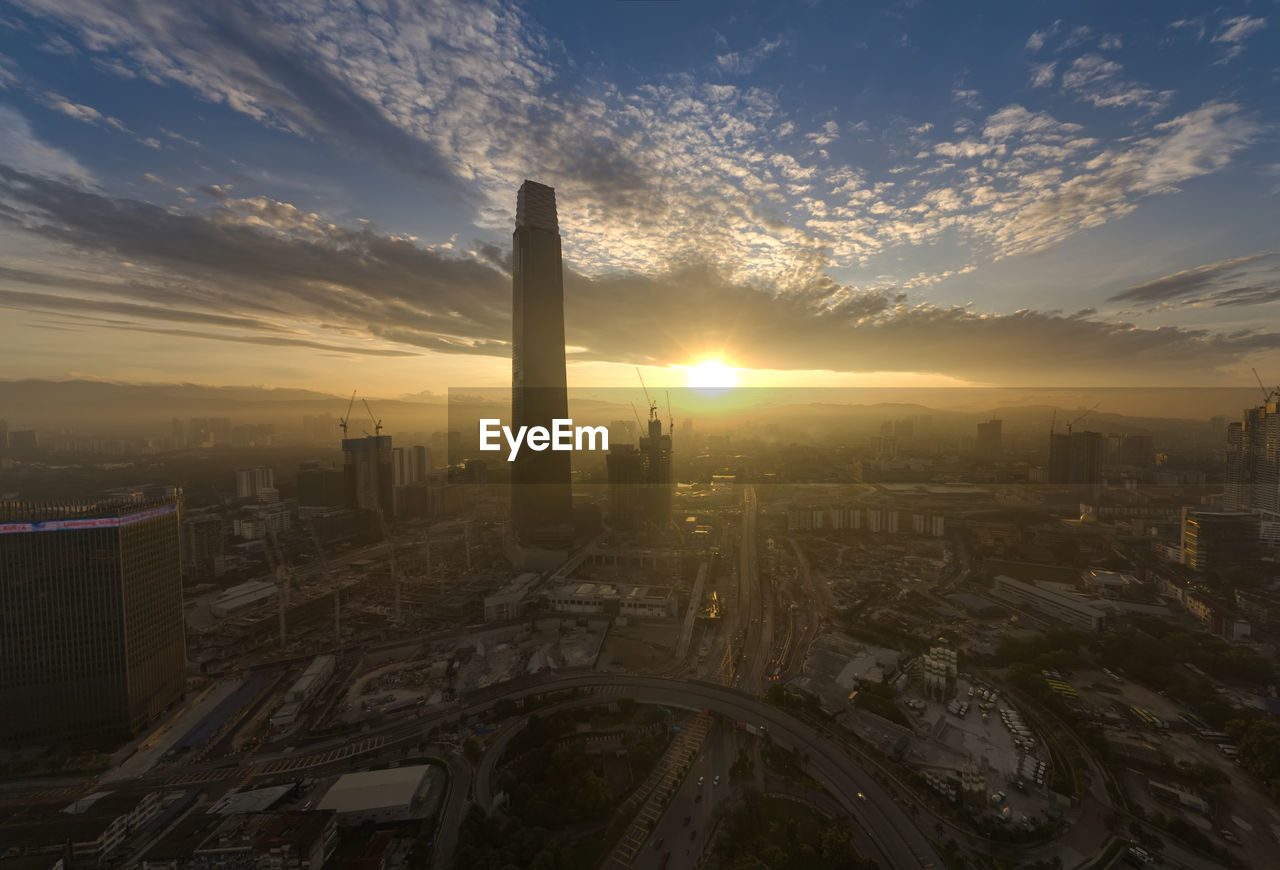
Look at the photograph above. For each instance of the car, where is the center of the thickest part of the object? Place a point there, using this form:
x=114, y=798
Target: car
x=698, y=798
x=861, y=796
x=693, y=835
x=716, y=781
x=657, y=845
x=700, y=781
x=666, y=856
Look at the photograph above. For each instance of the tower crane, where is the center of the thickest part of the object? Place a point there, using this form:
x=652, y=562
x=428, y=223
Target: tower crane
x=324, y=563
x=653, y=406
x=1082, y=416
x=671, y=420
x=377, y=424
x=342, y=421
x=1266, y=394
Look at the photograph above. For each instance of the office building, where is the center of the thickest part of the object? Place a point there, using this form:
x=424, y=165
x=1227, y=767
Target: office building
x=368, y=473
x=1076, y=458
x=91, y=620
x=541, y=493
x=203, y=547
x=990, y=441
x=1212, y=540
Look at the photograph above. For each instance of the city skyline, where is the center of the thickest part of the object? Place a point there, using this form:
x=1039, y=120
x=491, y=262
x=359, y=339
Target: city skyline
x=296, y=200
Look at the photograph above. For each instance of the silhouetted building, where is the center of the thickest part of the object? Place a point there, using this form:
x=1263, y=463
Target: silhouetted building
x=367, y=470
x=1253, y=467
x=655, y=450
x=203, y=547
x=990, y=442
x=91, y=618
x=625, y=467
x=321, y=484
x=1075, y=458
x=541, y=493
x=1212, y=540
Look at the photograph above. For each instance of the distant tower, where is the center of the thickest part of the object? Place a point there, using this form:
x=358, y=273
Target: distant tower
x=541, y=494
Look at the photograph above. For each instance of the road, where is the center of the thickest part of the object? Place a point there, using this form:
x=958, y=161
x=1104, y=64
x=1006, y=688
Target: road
x=886, y=833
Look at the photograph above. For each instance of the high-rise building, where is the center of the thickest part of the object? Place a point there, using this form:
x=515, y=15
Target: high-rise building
x=541, y=493
x=421, y=463
x=203, y=547
x=655, y=451
x=1076, y=458
x=256, y=483
x=1212, y=540
x=404, y=466
x=321, y=484
x=990, y=442
x=625, y=468
x=367, y=471
x=91, y=621
x=1253, y=467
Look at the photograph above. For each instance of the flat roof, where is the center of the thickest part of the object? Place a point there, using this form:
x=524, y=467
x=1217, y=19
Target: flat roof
x=374, y=789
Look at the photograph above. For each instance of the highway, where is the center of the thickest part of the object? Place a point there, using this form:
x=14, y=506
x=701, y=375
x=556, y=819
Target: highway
x=886, y=833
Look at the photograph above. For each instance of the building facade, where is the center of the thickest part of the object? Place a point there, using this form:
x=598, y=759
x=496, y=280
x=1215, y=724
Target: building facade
x=92, y=644
x=541, y=492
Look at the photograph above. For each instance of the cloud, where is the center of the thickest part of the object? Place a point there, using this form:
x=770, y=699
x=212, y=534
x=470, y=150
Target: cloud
x=1042, y=74
x=1247, y=280
x=1234, y=31
x=746, y=61
x=675, y=170
x=1097, y=80
x=258, y=271
x=1198, y=143
x=23, y=151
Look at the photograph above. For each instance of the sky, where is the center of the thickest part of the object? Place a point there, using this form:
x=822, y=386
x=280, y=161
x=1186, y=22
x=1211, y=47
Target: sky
x=321, y=194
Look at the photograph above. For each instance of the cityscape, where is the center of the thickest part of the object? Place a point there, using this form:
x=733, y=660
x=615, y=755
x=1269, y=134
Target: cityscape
x=682, y=516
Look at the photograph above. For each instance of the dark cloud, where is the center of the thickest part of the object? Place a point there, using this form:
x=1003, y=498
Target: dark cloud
x=272, y=273
x=1214, y=277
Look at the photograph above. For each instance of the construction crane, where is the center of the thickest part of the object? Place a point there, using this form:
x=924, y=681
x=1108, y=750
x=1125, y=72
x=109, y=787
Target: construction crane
x=377, y=424
x=671, y=420
x=639, y=425
x=653, y=406
x=1082, y=416
x=342, y=421
x=1266, y=394
x=1052, y=421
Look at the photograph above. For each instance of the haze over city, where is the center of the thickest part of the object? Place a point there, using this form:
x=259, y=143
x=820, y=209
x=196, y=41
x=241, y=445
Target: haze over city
x=892, y=194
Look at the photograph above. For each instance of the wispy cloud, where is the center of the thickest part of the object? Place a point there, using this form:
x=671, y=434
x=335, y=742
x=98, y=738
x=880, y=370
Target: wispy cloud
x=1234, y=31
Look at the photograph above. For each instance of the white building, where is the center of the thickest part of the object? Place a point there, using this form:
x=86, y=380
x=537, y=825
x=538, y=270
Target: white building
x=378, y=796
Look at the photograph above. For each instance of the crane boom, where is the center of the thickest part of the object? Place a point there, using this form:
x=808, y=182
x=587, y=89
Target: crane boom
x=1082, y=416
x=653, y=406
x=342, y=421
x=1266, y=394
x=377, y=424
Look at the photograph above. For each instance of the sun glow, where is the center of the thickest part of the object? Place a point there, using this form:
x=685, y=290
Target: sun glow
x=711, y=375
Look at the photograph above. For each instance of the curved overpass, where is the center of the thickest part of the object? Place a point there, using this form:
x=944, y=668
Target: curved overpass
x=887, y=833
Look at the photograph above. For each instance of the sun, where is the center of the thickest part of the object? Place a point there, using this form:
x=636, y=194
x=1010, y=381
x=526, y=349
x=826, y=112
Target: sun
x=711, y=374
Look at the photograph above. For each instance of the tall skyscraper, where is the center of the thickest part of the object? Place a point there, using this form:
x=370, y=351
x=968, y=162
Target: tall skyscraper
x=625, y=468
x=541, y=494
x=92, y=645
x=1212, y=540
